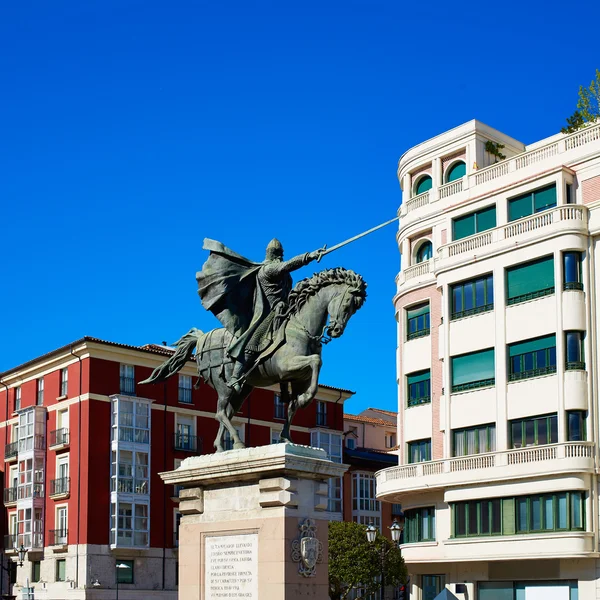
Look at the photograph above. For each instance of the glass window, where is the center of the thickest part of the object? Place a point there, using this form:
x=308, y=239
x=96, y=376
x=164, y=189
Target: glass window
x=185, y=389
x=419, y=451
x=133, y=423
x=456, y=171
x=576, y=426
x=574, y=349
x=127, y=380
x=534, y=431
x=530, y=280
x=280, y=407
x=332, y=444
x=423, y=185
x=472, y=297
x=419, y=388
x=64, y=381
x=473, y=370
x=473, y=223
x=572, y=270
x=124, y=569
x=425, y=252
x=35, y=571
x=419, y=525
x=18, y=398
x=40, y=391
x=363, y=493
x=474, y=440
x=532, y=358
x=321, y=413
x=532, y=202
x=417, y=321
x=61, y=569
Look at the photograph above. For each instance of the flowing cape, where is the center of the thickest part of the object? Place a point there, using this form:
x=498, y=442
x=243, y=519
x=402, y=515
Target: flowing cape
x=229, y=288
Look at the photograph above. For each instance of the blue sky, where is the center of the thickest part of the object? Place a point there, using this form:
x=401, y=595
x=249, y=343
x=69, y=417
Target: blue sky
x=131, y=130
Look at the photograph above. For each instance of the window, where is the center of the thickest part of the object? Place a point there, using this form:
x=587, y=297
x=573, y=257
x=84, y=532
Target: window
x=185, y=438
x=419, y=525
x=473, y=370
x=574, y=348
x=532, y=358
x=129, y=524
x=321, y=413
x=35, y=571
x=534, y=431
x=129, y=473
x=18, y=398
x=61, y=484
x=425, y=252
x=456, y=171
x=40, y=391
x=419, y=451
x=530, y=280
x=569, y=197
x=228, y=440
x=332, y=444
x=131, y=421
x=275, y=436
x=572, y=271
x=562, y=511
x=472, y=297
x=473, y=223
x=185, y=389
x=390, y=439
x=576, y=425
x=124, y=570
x=474, y=440
x=417, y=321
x=419, y=388
x=351, y=437
x=61, y=569
x=363, y=493
x=432, y=586
x=60, y=535
x=127, y=380
x=64, y=381
x=279, y=406
x=532, y=202
x=423, y=185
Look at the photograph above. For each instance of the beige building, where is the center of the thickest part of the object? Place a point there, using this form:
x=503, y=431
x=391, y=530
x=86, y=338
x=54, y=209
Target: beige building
x=496, y=306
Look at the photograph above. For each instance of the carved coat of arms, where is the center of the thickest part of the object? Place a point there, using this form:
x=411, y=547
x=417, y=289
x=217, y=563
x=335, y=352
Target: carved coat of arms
x=307, y=550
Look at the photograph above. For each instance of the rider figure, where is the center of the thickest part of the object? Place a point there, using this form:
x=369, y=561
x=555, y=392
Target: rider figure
x=276, y=282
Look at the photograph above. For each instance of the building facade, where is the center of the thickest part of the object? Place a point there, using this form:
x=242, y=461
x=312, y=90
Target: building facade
x=83, y=445
x=497, y=316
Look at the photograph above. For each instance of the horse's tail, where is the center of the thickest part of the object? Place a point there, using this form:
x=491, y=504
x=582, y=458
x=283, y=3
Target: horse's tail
x=185, y=349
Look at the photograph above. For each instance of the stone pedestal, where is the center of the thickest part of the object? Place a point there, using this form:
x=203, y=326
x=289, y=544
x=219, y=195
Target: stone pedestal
x=254, y=523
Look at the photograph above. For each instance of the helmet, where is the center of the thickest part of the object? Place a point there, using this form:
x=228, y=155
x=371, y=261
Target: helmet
x=274, y=249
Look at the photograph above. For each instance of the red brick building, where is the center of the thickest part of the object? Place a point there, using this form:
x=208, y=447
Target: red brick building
x=83, y=445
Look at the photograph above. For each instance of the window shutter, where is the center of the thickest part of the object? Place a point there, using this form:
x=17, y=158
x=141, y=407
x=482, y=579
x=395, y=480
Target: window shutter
x=508, y=516
x=542, y=343
x=473, y=367
x=531, y=277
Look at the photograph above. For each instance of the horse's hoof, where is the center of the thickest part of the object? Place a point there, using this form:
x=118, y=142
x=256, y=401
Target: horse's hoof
x=239, y=445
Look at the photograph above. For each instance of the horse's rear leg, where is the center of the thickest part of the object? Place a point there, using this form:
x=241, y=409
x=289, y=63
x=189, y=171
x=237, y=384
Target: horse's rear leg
x=229, y=403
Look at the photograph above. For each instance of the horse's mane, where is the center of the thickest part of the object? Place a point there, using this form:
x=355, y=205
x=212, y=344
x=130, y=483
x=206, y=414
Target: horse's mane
x=308, y=287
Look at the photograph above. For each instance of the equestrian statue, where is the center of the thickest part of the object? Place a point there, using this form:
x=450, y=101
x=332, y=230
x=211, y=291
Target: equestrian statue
x=272, y=333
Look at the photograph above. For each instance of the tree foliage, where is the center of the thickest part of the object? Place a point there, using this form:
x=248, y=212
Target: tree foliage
x=355, y=563
x=588, y=106
x=494, y=149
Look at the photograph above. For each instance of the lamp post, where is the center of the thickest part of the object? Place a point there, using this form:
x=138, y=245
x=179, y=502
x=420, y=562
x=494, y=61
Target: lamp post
x=120, y=566
x=396, y=530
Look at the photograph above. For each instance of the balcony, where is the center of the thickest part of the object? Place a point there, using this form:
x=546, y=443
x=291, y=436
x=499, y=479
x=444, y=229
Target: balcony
x=10, y=496
x=187, y=443
x=36, y=442
x=534, y=461
x=30, y=490
x=60, y=488
x=59, y=438
x=11, y=451
x=58, y=537
x=10, y=542
x=31, y=541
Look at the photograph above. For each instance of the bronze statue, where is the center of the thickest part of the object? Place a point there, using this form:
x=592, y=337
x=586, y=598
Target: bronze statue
x=271, y=333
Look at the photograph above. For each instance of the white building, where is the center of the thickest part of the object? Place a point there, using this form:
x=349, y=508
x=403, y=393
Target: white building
x=497, y=305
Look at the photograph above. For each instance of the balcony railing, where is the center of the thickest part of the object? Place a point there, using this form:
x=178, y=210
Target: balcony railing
x=58, y=537
x=11, y=450
x=417, y=270
x=10, y=542
x=60, y=487
x=479, y=462
x=28, y=540
x=59, y=437
x=30, y=490
x=187, y=443
x=10, y=495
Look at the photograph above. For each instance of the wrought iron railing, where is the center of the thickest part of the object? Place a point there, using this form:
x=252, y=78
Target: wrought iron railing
x=11, y=450
x=187, y=443
x=60, y=486
x=58, y=537
x=59, y=437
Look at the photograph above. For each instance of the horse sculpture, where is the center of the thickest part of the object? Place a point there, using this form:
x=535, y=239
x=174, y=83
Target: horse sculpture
x=319, y=308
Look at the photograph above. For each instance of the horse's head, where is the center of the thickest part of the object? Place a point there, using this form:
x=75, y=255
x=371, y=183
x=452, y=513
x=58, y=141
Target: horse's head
x=347, y=297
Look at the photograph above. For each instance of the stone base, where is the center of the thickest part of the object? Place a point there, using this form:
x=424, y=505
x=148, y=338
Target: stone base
x=244, y=514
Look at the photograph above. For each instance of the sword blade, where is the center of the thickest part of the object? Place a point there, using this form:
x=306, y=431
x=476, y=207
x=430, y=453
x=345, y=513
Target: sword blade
x=357, y=237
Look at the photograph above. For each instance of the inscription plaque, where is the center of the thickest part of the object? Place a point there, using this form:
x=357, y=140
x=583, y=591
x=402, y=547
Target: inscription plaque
x=231, y=566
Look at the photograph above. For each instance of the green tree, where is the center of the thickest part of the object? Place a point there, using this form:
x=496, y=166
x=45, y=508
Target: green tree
x=588, y=106
x=355, y=563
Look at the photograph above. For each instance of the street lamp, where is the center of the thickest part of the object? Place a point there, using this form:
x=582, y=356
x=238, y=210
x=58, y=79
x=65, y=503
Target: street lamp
x=22, y=552
x=120, y=566
x=396, y=530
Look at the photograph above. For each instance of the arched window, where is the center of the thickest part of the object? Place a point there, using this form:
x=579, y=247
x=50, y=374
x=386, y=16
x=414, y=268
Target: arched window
x=456, y=171
x=423, y=185
x=425, y=252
